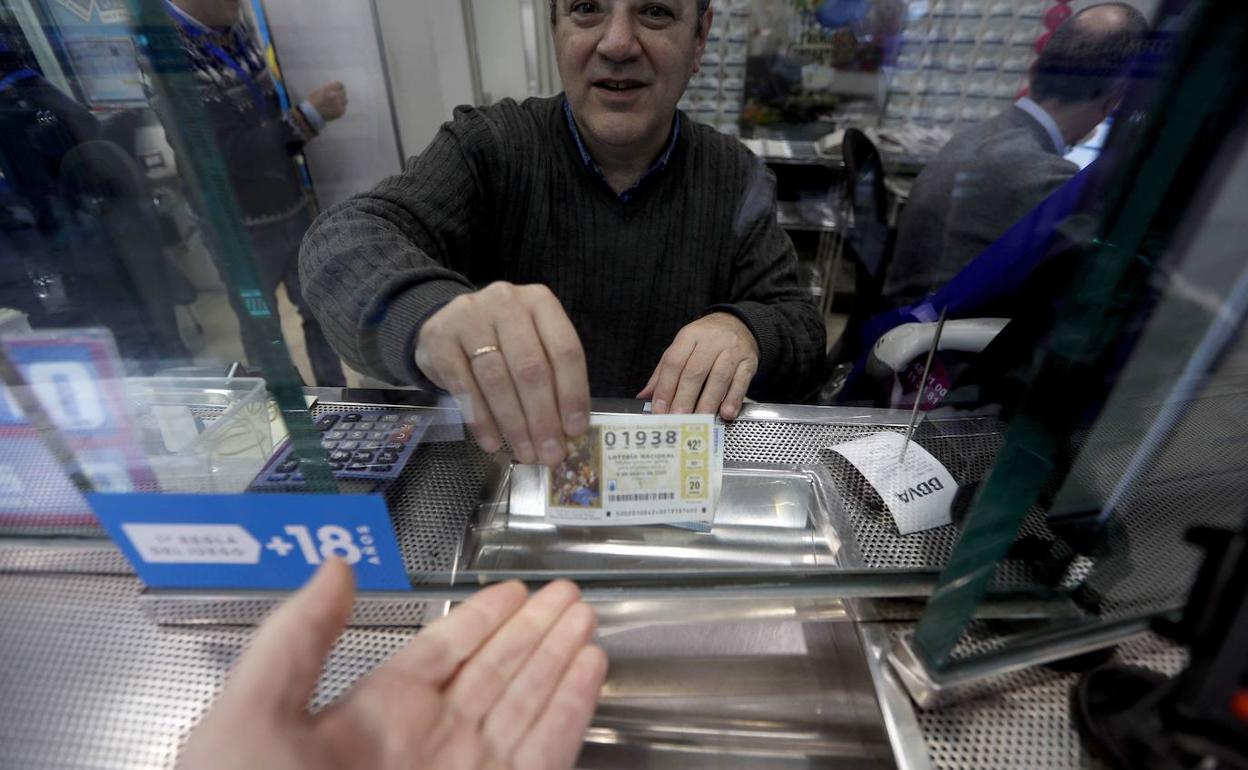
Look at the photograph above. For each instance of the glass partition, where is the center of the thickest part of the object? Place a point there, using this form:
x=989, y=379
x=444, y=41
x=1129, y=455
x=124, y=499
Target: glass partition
x=150, y=235
x=1123, y=441
x=160, y=336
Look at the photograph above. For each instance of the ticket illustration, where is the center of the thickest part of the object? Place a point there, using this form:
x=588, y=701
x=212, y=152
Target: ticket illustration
x=639, y=469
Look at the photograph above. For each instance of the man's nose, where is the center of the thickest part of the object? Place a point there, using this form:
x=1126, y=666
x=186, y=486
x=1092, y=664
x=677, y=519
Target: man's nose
x=619, y=39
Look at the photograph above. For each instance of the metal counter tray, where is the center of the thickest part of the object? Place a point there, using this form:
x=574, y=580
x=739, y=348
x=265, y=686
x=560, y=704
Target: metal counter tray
x=768, y=517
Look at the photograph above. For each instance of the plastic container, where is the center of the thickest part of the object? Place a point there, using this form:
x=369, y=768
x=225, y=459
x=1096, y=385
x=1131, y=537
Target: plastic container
x=202, y=434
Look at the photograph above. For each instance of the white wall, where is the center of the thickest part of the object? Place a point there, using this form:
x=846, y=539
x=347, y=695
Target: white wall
x=318, y=41
x=425, y=54
x=426, y=50
x=500, y=46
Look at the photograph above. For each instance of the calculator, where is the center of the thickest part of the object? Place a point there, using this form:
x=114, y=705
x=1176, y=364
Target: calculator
x=363, y=445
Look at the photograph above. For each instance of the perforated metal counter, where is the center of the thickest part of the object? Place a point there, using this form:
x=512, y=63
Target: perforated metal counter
x=91, y=679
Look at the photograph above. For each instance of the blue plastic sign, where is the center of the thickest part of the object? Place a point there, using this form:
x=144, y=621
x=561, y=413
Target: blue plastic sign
x=252, y=540
x=76, y=376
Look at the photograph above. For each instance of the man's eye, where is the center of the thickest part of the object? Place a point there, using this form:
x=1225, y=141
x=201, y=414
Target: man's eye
x=583, y=9
x=656, y=12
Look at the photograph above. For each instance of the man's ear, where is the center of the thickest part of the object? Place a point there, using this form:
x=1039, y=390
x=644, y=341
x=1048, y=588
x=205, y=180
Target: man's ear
x=704, y=29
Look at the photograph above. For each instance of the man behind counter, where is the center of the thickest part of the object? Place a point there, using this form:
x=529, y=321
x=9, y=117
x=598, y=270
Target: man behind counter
x=618, y=244
x=991, y=175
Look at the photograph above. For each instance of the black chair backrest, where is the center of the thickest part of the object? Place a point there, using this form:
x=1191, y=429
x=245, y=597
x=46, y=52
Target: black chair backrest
x=864, y=176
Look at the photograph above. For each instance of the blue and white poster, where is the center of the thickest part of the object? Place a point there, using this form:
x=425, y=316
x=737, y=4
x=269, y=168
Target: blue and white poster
x=258, y=541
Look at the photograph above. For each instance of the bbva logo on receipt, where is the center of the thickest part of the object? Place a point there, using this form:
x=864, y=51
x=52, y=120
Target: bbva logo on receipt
x=922, y=489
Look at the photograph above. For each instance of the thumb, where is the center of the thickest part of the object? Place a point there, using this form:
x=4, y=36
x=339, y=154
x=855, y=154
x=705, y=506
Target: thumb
x=280, y=668
x=648, y=391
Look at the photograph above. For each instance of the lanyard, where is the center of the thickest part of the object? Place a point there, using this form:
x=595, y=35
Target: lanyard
x=223, y=56
x=17, y=76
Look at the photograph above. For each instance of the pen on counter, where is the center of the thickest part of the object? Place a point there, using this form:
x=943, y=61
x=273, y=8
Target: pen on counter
x=918, y=396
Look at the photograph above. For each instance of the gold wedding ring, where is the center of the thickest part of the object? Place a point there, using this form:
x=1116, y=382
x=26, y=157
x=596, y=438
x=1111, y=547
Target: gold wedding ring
x=483, y=350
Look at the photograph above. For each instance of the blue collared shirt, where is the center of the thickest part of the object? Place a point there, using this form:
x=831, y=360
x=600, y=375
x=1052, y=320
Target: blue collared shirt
x=660, y=163
x=1044, y=119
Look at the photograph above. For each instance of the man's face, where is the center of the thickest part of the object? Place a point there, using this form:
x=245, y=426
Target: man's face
x=625, y=63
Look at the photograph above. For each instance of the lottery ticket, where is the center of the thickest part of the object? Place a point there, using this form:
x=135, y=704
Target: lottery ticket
x=639, y=469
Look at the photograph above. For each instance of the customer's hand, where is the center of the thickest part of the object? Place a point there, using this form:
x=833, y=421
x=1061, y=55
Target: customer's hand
x=707, y=369
x=514, y=361
x=500, y=682
x=330, y=100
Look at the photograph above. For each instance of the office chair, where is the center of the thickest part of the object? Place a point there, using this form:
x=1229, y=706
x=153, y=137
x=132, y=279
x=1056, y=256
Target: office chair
x=978, y=301
x=866, y=239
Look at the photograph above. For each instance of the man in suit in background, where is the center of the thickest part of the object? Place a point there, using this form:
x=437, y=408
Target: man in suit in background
x=989, y=176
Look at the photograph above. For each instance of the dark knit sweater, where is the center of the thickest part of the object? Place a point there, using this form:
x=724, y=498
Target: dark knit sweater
x=258, y=140
x=502, y=194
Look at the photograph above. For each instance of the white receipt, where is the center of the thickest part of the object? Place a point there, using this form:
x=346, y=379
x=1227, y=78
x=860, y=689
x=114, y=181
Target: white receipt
x=917, y=489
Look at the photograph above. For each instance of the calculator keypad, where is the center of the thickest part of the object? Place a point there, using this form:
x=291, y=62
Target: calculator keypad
x=371, y=446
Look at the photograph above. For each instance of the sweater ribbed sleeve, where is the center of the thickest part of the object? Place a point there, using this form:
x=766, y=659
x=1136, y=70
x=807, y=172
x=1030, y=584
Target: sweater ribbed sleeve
x=769, y=298
x=375, y=265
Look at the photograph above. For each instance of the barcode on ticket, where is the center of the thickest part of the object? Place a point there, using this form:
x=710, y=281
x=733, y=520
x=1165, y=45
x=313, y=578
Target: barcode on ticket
x=634, y=497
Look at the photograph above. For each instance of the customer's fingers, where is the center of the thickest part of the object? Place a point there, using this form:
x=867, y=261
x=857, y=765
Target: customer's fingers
x=535, y=385
x=693, y=378
x=462, y=749
x=281, y=666
x=526, y=696
x=670, y=367
x=717, y=384
x=741, y=380
x=436, y=653
x=567, y=357
x=554, y=741
x=485, y=676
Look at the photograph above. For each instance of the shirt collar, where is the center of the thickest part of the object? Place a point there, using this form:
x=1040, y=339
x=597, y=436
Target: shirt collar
x=1046, y=120
x=659, y=164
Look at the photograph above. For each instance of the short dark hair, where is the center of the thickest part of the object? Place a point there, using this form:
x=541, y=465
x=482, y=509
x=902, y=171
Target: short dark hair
x=702, y=6
x=1080, y=64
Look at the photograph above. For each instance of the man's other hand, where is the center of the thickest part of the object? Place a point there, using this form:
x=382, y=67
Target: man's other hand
x=707, y=369
x=503, y=681
x=512, y=358
x=330, y=100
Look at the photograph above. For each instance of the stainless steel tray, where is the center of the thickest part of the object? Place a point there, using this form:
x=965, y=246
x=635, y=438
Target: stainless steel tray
x=769, y=516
